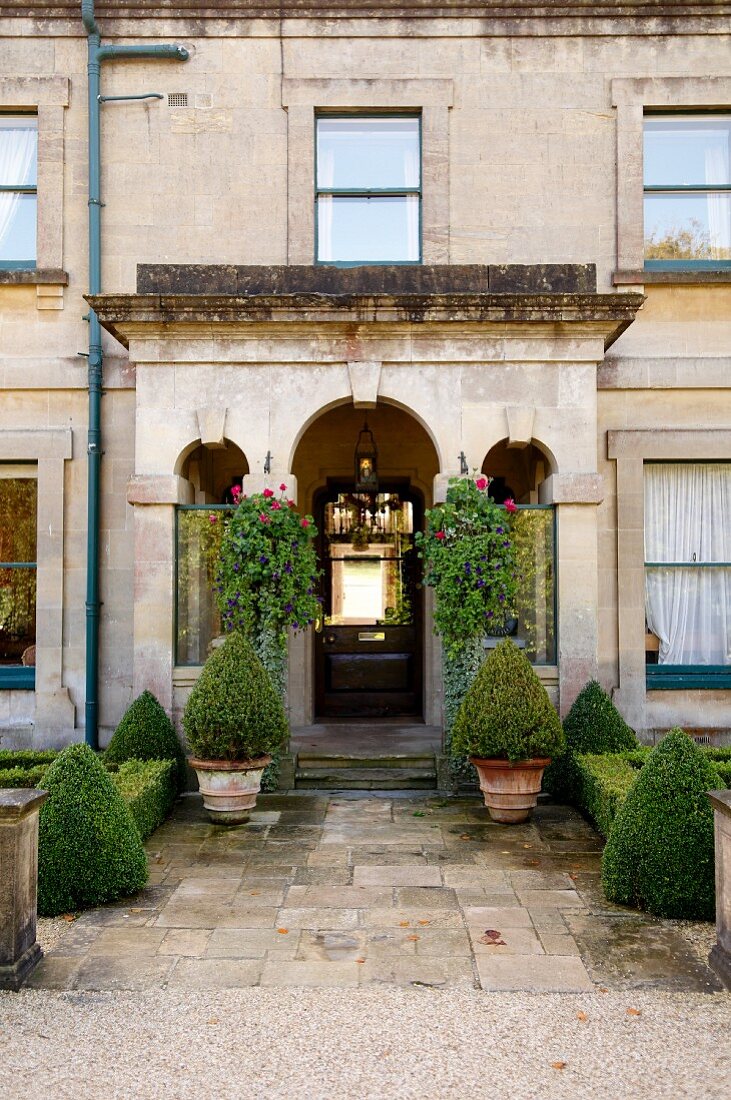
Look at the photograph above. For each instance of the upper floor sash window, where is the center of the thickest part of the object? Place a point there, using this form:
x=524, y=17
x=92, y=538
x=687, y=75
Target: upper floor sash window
x=18, y=190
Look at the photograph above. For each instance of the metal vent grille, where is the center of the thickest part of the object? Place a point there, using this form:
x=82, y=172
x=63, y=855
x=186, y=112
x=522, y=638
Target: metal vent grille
x=177, y=99
x=702, y=738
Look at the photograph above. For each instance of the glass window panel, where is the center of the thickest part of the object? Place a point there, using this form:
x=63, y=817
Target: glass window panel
x=686, y=151
x=17, y=614
x=368, y=153
x=688, y=226
x=361, y=229
x=688, y=611
x=198, y=620
x=18, y=512
x=17, y=226
x=532, y=531
x=18, y=150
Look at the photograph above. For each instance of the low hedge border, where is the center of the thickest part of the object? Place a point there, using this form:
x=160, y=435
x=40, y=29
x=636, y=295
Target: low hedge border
x=601, y=786
x=601, y=783
x=149, y=787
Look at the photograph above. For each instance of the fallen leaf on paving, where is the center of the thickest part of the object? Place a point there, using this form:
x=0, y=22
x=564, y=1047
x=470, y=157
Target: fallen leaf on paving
x=527, y=845
x=213, y=1020
x=412, y=937
x=255, y=893
x=603, y=989
x=573, y=877
x=135, y=910
x=465, y=836
x=634, y=1012
x=493, y=938
x=360, y=960
x=404, y=923
x=532, y=862
x=283, y=931
x=558, y=1065
x=69, y=917
x=423, y=922
x=581, y=1016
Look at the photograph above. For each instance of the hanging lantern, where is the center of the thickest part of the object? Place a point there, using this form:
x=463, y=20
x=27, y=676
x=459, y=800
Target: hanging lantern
x=366, y=462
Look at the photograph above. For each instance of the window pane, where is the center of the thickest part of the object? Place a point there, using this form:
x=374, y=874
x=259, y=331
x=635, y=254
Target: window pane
x=533, y=546
x=686, y=151
x=17, y=226
x=688, y=608
x=18, y=509
x=17, y=615
x=380, y=229
x=688, y=226
x=18, y=505
x=18, y=150
x=368, y=153
x=198, y=619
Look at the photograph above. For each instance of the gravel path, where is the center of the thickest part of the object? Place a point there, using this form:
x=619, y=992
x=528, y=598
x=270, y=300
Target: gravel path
x=399, y=1044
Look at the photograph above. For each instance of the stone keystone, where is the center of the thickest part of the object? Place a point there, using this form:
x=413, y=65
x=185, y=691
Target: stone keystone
x=365, y=379
x=212, y=426
x=520, y=424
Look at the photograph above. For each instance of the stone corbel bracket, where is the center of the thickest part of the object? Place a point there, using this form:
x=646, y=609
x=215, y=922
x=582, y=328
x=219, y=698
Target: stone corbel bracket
x=212, y=426
x=365, y=381
x=159, y=489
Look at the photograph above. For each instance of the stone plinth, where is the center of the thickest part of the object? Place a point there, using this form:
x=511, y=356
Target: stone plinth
x=19, y=951
x=720, y=956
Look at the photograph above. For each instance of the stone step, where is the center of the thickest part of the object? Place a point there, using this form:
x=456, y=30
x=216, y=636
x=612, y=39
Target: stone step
x=410, y=760
x=367, y=779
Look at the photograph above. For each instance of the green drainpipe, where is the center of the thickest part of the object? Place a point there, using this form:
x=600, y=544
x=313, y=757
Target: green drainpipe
x=96, y=54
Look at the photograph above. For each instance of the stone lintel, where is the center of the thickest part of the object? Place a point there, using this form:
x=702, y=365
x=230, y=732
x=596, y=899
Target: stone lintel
x=159, y=489
x=572, y=489
x=18, y=803
x=690, y=445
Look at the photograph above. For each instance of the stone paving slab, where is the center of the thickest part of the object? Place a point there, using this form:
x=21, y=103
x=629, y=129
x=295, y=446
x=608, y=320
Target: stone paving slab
x=357, y=891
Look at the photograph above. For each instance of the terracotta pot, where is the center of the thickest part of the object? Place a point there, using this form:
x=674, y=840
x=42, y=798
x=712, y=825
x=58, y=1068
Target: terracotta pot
x=229, y=787
x=510, y=790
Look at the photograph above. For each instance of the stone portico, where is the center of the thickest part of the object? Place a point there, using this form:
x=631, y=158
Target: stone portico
x=465, y=358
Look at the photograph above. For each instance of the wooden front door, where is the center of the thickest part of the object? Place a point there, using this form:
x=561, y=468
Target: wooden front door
x=368, y=652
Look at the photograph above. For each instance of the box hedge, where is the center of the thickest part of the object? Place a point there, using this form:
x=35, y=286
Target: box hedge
x=89, y=849
x=593, y=726
x=146, y=733
x=601, y=785
x=659, y=855
x=148, y=788
x=506, y=712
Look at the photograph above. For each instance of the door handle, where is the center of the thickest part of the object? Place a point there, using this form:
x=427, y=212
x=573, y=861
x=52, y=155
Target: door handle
x=330, y=638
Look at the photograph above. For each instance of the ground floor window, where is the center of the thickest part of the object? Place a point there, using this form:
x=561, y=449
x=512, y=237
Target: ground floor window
x=688, y=574
x=367, y=558
x=18, y=512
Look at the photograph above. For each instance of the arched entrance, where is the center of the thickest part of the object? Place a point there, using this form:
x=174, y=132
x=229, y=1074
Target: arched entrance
x=369, y=647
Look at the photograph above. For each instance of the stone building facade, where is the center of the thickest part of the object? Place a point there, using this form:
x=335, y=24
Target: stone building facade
x=534, y=334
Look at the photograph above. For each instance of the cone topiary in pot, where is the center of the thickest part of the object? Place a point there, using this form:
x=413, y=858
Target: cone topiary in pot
x=509, y=728
x=233, y=721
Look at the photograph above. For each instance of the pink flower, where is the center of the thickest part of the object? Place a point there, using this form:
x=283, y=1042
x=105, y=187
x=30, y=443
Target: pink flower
x=264, y=519
x=213, y=519
x=276, y=505
x=440, y=535
x=268, y=493
x=304, y=522
x=510, y=505
x=291, y=504
x=282, y=488
x=482, y=483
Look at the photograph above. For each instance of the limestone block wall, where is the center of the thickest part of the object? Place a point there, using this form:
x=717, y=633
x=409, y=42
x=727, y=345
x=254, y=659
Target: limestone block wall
x=521, y=147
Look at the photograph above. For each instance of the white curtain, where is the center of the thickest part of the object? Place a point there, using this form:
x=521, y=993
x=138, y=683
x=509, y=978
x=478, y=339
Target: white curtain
x=17, y=152
x=719, y=205
x=688, y=519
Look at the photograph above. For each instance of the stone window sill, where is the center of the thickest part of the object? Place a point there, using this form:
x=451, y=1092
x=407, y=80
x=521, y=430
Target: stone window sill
x=33, y=276
x=671, y=278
